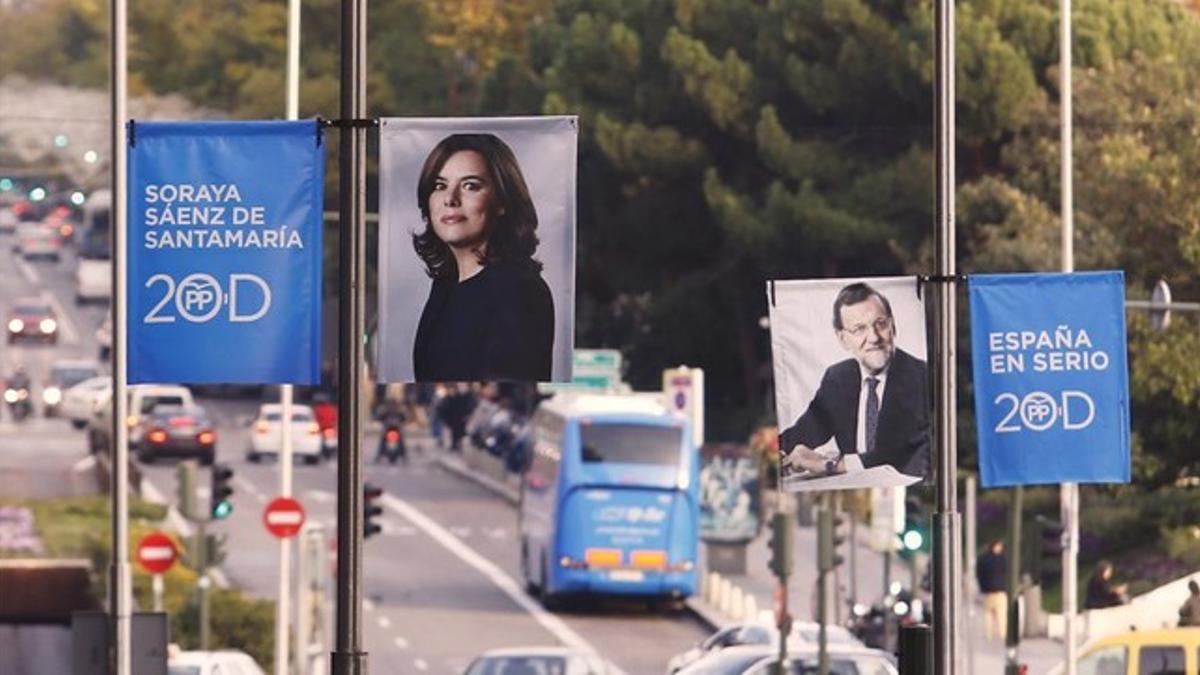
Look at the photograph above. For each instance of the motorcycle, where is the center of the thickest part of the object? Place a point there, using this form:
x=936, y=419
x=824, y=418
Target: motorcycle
x=878, y=625
x=18, y=402
x=391, y=445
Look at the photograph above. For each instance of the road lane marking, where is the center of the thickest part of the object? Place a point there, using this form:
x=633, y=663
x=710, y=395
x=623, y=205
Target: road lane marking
x=421, y=664
x=384, y=622
x=320, y=496
x=66, y=327
x=27, y=271
x=459, y=531
x=487, y=568
x=368, y=605
x=400, y=643
x=246, y=485
x=84, y=464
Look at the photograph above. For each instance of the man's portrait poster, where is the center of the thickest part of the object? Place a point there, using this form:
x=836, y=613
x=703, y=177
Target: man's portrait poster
x=477, y=249
x=852, y=387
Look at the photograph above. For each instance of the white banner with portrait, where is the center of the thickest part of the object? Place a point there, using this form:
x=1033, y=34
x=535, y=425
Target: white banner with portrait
x=477, y=249
x=852, y=387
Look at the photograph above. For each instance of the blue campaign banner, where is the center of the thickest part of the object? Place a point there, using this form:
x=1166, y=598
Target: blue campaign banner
x=1051, y=378
x=225, y=252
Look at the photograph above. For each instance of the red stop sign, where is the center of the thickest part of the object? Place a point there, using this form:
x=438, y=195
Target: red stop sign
x=283, y=517
x=156, y=553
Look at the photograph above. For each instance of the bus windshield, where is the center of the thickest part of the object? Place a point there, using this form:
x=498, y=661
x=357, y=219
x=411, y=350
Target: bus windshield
x=627, y=444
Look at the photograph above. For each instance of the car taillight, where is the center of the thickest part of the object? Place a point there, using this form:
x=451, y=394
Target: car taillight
x=330, y=433
x=157, y=436
x=207, y=437
x=392, y=436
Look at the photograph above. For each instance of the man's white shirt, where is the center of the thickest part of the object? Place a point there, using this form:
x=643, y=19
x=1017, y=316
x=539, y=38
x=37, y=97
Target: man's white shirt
x=853, y=462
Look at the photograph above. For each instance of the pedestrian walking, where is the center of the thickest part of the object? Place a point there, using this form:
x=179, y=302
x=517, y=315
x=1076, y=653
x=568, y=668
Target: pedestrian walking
x=990, y=571
x=1189, y=613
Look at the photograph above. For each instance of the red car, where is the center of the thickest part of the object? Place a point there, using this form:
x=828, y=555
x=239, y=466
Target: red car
x=32, y=319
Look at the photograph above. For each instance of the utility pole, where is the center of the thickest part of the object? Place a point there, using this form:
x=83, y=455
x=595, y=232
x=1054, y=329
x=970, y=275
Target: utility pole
x=781, y=548
x=120, y=581
x=1012, y=632
x=947, y=522
x=348, y=656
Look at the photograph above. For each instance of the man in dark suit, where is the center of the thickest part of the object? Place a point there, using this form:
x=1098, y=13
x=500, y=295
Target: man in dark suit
x=875, y=405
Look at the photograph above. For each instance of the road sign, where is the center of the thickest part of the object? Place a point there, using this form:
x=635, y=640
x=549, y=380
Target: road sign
x=225, y=249
x=592, y=370
x=1051, y=378
x=284, y=517
x=156, y=553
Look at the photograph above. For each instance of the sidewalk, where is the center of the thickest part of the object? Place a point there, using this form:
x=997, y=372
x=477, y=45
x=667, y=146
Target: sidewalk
x=984, y=658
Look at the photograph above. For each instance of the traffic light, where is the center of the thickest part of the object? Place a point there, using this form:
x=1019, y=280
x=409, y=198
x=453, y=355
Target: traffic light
x=185, y=488
x=781, y=545
x=1044, y=548
x=214, y=549
x=222, y=506
x=371, y=510
x=829, y=539
x=916, y=533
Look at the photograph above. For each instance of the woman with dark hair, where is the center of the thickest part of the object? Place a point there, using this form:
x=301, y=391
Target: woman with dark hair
x=489, y=315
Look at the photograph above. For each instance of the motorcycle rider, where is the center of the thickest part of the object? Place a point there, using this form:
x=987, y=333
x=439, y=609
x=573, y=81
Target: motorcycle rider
x=392, y=418
x=18, y=381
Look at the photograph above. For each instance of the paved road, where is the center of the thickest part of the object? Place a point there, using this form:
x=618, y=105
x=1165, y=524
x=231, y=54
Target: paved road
x=441, y=582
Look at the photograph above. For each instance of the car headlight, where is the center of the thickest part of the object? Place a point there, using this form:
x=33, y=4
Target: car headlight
x=52, y=395
x=16, y=326
x=48, y=326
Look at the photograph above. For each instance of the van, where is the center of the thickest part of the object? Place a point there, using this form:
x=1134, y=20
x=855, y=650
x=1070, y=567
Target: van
x=142, y=399
x=1172, y=651
x=93, y=281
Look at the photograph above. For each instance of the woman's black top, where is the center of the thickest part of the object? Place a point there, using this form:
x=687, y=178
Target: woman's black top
x=497, y=325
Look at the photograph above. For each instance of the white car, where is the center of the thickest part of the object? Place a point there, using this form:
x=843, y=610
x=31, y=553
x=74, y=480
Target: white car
x=80, y=403
x=754, y=633
x=266, y=433
x=38, y=241
x=224, y=662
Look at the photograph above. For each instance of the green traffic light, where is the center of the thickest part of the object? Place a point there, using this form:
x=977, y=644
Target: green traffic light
x=6, y=184
x=221, y=510
x=913, y=540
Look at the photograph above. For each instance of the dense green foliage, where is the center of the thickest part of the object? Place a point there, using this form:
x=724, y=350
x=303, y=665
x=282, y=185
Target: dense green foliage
x=723, y=144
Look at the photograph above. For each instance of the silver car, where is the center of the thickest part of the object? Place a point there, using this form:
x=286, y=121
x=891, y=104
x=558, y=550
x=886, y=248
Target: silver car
x=538, y=661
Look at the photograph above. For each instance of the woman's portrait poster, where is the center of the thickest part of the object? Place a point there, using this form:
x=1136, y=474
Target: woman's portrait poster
x=852, y=390
x=477, y=249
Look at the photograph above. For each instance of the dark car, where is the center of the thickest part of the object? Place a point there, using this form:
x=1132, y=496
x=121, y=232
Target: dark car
x=32, y=319
x=64, y=374
x=177, y=431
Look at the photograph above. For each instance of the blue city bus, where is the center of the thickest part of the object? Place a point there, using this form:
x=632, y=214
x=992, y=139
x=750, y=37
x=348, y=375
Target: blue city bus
x=610, y=500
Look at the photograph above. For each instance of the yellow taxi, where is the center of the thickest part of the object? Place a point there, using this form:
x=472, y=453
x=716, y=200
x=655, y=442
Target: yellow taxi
x=1172, y=651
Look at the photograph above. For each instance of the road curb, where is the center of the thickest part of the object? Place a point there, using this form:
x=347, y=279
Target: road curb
x=458, y=467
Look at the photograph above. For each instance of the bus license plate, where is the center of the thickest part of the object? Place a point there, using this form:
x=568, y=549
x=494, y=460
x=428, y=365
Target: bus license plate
x=627, y=575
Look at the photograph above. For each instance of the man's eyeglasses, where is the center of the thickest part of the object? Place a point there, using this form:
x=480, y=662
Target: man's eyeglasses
x=880, y=325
